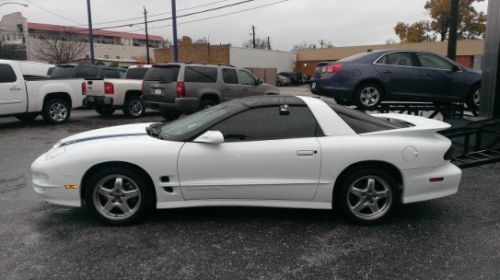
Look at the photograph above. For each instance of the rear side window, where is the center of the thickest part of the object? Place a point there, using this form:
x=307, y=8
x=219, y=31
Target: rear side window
x=7, y=74
x=268, y=123
x=200, y=74
x=401, y=59
x=87, y=72
x=166, y=74
x=62, y=72
x=136, y=73
x=230, y=76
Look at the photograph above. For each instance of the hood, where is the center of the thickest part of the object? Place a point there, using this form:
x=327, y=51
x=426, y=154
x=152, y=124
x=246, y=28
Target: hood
x=128, y=130
x=417, y=126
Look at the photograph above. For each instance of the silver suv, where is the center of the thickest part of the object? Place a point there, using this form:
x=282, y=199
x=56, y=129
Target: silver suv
x=176, y=88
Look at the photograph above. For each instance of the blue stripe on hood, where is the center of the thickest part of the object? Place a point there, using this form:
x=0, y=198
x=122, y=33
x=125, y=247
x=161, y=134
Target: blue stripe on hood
x=99, y=137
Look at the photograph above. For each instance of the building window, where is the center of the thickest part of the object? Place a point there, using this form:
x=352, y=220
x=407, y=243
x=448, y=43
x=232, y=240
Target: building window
x=117, y=57
x=106, y=56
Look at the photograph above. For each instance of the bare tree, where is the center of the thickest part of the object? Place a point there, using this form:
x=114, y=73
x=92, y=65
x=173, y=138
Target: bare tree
x=260, y=43
x=304, y=45
x=59, y=48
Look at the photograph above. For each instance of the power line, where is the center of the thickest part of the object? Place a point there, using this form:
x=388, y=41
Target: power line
x=218, y=16
x=51, y=12
x=184, y=15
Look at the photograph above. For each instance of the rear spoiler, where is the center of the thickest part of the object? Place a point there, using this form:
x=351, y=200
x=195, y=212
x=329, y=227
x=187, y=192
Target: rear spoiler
x=417, y=125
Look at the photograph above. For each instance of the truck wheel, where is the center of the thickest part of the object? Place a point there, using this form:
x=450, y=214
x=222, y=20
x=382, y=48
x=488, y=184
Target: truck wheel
x=170, y=116
x=56, y=111
x=133, y=107
x=28, y=117
x=105, y=110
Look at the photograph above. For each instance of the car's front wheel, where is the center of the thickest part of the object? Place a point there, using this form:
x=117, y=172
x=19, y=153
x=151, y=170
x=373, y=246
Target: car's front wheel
x=118, y=196
x=474, y=98
x=368, y=96
x=366, y=196
x=56, y=111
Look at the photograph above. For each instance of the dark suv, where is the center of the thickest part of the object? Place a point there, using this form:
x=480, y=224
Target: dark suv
x=176, y=88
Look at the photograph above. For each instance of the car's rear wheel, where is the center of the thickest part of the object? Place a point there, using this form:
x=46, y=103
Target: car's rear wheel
x=118, y=196
x=207, y=103
x=105, y=110
x=474, y=98
x=368, y=96
x=133, y=107
x=366, y=196
x=56, y=111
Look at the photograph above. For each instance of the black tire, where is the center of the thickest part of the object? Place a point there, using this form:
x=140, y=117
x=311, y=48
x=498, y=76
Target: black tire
x=105, y=110
x=341, y=101
x=368, y=96
x=473, y=101
x=56, y=111
x=346, y=201
x=133, y=107
x=169, y=115
x=28, y=117
x=207, y=103
x=134, y=195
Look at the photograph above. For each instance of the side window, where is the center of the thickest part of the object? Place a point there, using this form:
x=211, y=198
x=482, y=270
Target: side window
x=229, y=76
x=433, y=61
x=400, y=58
x=268, y=123
x=200, y=74
x=246, y=78
x=7, y=74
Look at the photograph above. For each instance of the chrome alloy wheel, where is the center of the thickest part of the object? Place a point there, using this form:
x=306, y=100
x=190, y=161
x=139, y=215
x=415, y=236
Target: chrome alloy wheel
x=135, y=107
x=58, y=111
x=116, y=197
x=369, y=198
x=476, y=97
x=369, y=96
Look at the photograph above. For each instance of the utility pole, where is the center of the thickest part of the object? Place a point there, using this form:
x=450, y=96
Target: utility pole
x=91, y=34
x=452, y=39
x=253, y=35
x=147, y=35
x=322, y=43
x=268, y=43
x=174, y=31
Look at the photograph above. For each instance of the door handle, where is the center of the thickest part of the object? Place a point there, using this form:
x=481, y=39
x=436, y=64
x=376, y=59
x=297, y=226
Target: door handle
x=305, y=152
x=15, y=88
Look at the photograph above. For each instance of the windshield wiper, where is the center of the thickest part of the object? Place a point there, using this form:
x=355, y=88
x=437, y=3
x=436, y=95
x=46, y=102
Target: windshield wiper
x=154, y=130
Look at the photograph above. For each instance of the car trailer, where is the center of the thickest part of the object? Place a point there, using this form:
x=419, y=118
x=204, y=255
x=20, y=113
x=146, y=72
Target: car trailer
x=452, y=110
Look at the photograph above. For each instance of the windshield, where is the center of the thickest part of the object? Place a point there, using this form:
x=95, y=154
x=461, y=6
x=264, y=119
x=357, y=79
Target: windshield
x=165, y=74
x=191, y=125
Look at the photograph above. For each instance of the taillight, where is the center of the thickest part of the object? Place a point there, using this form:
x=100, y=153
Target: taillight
x=331, y=68
x=84, y=88
x=109, y=88
x=181, y=90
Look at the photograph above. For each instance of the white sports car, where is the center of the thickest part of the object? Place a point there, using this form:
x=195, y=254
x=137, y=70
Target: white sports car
x=270, y=151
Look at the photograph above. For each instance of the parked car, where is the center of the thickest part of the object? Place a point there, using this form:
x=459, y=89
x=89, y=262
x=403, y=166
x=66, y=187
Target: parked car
x=25, y=97
x=282, y=81
x=122, y=94
x=367, y=79
x=296, y=78
x=270, y=151
x=176, y=88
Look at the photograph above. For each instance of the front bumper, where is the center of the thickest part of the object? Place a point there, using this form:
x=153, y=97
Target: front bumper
x=418, y=187
x=50, y=184
x=93, y=101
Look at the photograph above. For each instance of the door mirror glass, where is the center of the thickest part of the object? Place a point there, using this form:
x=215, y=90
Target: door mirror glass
x=258, y=82
x=210, y=137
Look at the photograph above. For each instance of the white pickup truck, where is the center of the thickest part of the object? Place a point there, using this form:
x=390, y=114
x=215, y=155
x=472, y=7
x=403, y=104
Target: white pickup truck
x=122, y=94
x=27, y=96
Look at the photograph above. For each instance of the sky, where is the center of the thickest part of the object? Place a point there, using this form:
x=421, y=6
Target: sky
x=286, y=22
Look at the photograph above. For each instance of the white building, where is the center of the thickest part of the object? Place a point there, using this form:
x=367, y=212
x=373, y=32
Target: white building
x=109, y=46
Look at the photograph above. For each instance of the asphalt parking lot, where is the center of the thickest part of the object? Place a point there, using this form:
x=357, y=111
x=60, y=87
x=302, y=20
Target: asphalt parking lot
x=456, y=237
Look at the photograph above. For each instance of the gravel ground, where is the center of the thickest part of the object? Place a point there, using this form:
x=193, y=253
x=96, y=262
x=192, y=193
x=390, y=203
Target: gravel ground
x=456, y=237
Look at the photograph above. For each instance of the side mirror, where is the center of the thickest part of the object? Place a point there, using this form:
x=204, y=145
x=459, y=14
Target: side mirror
x=455, y=68
x=258, y=82
x=210, y=137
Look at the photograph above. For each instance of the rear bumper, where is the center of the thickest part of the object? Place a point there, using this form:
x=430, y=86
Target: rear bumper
x=325, y=87
x=183, y=105
x=417, y=185
x=92, y=101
